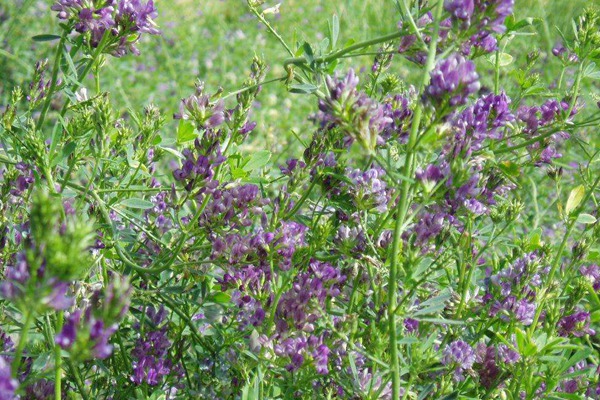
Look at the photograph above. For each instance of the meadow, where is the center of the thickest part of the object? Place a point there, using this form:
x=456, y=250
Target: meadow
x=250, y=199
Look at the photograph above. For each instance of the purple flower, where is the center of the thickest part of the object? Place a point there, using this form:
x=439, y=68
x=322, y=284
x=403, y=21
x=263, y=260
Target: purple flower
x=576, y=324
x=42, y=389
x=320, y=356
x=368, y=189
x=199, y=108
x=592, y=274
x=487, y=369
x=291, y=165
x=411, y=325
x=372, y=384
x=301, y=306
x=459, y=355
x=460, y=9
x=151, y=354
x=8, y=385
x=93, y=327
x=452, y=81
x=68, y=334
x=507, y=355
x=359, y=116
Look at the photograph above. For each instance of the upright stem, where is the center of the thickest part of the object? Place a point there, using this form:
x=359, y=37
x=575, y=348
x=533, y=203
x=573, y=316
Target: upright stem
x=402, y=208
x=58, y=359
x=22, y=341
x=53, y=81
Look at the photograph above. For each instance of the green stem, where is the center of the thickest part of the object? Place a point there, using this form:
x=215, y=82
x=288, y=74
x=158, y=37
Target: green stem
x=301, y=201
x=53, y=81
x=559, y=253
x=357, y=46
x=22, y=341
x=497, y=73
x=411, y=22
x=575, y=89
x=270, y=28
x=402, y=209
x=78, y=380
x=58, y=360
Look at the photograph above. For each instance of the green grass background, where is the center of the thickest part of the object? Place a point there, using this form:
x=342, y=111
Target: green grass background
x=216, y=40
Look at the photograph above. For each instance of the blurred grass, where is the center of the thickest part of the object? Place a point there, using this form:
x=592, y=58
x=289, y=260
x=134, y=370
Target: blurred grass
x=216, y=41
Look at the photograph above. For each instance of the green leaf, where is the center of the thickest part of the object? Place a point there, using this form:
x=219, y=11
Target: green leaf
x=258, y=160
x=137, y=203
x=324, y=45
x=186, y=131
x=504, y=59
x=309, y=54
x=441, y=321
x=335, y=31
x=535, y=239
x=586, y=219
x=575, y=358
x=172, y=151
x=45, y=38
x=237, y=173
x=221, y=298
x=591, y=71
x=574, y=199
x=303, y=88
x=510, y=168
x=512, y=25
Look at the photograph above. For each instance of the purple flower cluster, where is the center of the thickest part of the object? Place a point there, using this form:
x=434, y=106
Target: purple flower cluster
x=350, y=239
x=91, y=329
x=20, y=183
x=577, y=382
x=151, y=358
x=484, y=16
x=592, y=274
x=536, y=118
x=39, y=86
x=199, y=109
x=452, y=81
x=299, y=308
x=565, y=55
x=489, y=361
x=233, y=207
x=485, y=119
x=460, y=356
x=398, y=110
x=301, y=346
x=99, y=334
x=360, y=117
x=197, y=171
x=576, y=324
x=123, y=20
x=368, y=189
x=516, y=286
x=468, y=186
x=18, y=281
x=8, y=385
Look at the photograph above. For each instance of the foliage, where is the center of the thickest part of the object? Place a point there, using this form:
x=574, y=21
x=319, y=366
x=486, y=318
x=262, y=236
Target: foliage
x=437, y=237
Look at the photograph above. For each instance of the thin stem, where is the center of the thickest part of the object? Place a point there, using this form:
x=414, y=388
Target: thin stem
x=575, y=89
x=338, y=54
x=559, y=253
x=22, y=341
x=78, y=380
x=411, y=22
x=58, y=360
x=402, y=209
x=271, y=29
x=497, y=73
x=53, y=81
